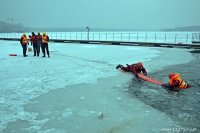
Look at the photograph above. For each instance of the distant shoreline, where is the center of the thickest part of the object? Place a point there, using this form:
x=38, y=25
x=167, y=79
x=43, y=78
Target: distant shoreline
x=6, y=27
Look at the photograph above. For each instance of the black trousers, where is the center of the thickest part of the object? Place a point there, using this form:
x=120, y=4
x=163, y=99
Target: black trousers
x=45, y=48
x=39, y=45
x=36, y=49
x=24, y=46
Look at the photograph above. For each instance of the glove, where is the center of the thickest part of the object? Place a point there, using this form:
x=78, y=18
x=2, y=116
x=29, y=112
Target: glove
x=165, y=85
x=145, y=74
x=188, y=86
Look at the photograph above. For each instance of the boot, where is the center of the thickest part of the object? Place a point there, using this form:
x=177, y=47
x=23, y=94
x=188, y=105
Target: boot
x=119, y=66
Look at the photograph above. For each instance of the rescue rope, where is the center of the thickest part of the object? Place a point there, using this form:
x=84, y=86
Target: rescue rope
x=83, y=59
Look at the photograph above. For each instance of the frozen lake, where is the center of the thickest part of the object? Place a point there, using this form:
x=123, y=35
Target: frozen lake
x=79, y=90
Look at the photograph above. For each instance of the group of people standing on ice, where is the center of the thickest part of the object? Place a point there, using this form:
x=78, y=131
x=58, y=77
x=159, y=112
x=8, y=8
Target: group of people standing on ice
x=37, y=41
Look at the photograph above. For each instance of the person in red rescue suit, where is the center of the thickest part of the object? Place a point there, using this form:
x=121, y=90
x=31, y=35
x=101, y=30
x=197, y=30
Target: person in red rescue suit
x=134, y=68
x=24, y=43
x=45, y=40
x=176, y=83
x=34, y=41
x=39, y=43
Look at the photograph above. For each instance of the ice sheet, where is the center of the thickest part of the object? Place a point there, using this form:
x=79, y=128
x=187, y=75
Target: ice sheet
x=23, y=79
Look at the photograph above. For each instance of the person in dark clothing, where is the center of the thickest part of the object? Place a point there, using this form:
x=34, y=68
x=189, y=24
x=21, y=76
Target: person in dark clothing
x=45, y=40
x=134, y=68
x=39, y=41
x=24, y=43
x=35, y=44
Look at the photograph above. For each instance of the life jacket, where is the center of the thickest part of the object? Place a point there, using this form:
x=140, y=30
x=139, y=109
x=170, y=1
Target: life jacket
x=24, y=40
x=44, y=39
x=182, y=83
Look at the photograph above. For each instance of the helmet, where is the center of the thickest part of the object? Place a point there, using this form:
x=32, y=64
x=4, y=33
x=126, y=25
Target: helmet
x=139, y=64
x=24, y=34
x=171, y=75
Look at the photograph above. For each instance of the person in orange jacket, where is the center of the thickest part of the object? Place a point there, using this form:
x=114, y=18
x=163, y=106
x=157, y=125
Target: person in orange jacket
x=24, y=43
x=176, y=83
x=45, y=40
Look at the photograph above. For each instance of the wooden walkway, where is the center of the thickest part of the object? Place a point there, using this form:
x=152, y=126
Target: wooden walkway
x=120, y=43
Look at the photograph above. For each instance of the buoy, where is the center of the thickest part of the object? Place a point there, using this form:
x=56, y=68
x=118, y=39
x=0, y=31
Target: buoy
x=12, y=54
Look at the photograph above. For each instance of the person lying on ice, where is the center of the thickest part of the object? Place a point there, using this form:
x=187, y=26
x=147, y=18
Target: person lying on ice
x=134, y=68
x=176, y=83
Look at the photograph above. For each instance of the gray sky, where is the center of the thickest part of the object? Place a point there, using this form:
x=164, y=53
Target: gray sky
x=145, y=14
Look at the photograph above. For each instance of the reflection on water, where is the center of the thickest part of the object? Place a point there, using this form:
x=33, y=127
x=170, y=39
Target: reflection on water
x=183, y=107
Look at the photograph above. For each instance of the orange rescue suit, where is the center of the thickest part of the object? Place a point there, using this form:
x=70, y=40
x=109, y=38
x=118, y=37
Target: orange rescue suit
x=44, y=39
x=182, y=84
x=24, y=40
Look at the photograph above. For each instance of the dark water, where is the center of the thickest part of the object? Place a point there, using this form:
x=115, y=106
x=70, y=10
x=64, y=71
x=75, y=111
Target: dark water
x=182, y=107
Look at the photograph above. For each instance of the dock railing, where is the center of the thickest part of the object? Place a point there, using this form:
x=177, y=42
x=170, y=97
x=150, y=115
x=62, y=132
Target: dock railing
x=144, y=37
x=196, y=38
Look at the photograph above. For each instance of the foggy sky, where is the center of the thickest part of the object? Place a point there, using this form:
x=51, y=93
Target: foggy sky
x=129, y=14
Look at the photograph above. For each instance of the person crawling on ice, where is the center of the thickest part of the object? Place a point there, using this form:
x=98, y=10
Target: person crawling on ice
x=176, y=83
x=134, y=68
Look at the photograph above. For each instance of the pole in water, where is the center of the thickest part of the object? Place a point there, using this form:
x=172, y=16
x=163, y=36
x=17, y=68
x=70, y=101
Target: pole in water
x=88, y=34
